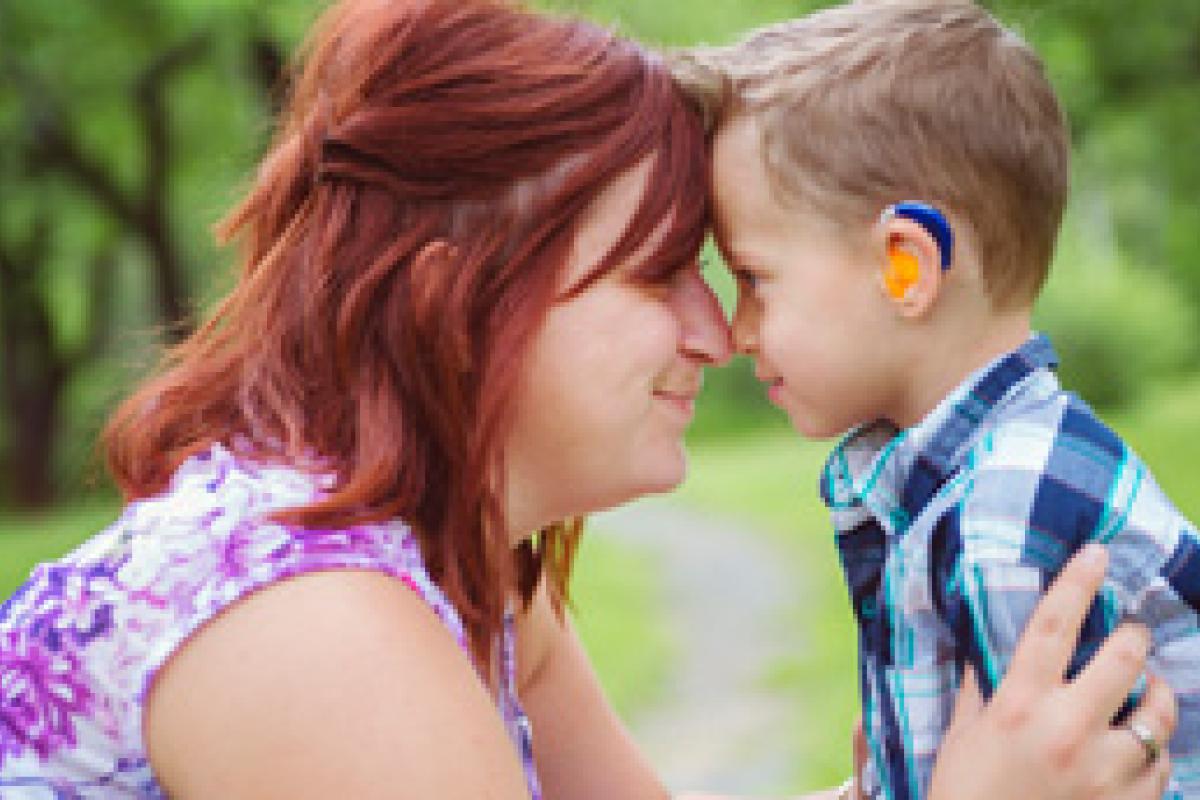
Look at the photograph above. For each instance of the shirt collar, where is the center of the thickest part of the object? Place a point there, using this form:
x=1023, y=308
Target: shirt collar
x=893, y=473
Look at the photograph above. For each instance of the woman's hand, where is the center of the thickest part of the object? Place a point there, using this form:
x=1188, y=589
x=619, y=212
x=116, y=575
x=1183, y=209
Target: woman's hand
x=1043, y=737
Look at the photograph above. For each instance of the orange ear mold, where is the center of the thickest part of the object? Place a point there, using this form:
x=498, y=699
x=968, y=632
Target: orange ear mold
x=902, y=273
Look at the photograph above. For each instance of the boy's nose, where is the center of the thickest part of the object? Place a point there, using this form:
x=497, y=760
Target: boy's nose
x=704, y=332
x=745, y=330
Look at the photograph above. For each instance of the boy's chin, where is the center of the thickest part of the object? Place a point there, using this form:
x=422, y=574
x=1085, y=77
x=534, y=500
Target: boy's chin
x=816, y=429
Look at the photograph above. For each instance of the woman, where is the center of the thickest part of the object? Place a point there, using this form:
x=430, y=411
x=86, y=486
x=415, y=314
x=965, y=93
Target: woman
x=469, y=313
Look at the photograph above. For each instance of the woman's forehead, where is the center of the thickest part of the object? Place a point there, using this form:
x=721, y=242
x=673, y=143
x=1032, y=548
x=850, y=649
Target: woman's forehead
x=606, y=219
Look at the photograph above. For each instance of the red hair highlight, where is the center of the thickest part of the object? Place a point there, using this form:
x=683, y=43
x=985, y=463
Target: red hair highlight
x=401, y=243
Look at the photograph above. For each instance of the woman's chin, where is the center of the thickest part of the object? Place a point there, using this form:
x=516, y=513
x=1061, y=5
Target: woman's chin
x=661, y=477
x=666, y=474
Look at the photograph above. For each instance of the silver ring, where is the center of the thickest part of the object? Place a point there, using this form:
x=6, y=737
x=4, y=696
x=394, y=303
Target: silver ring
x=1146, y=740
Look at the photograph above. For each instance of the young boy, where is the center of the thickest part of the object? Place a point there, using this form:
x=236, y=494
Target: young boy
x=889, y=178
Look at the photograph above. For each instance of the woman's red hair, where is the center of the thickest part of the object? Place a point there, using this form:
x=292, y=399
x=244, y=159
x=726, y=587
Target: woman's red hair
x=401, y=243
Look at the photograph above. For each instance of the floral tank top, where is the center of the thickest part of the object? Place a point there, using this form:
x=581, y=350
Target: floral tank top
x=81, y=640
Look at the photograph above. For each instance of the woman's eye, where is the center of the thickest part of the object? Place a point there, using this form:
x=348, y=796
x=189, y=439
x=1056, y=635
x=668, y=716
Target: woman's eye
x=661, y=285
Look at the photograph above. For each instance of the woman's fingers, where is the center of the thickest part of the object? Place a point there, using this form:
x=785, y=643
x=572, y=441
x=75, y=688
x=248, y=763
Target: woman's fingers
x=1155, y=717
x=1151, y=784
x=1044, y=736
x=1109, y=677
x=1045, y=649
x=1159, y=708
x=859, y=738
x=1159, y=777
x=1122, y=767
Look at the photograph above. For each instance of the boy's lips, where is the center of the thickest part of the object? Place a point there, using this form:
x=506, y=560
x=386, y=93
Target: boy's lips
x=775, y=388
x=765, y=377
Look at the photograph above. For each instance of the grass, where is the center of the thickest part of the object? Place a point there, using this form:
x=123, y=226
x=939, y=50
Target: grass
x=27, y=538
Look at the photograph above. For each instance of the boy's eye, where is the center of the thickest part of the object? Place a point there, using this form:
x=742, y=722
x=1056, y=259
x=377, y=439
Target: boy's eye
x=746, y=278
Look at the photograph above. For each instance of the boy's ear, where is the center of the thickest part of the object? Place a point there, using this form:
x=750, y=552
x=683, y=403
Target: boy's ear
x=910, y=275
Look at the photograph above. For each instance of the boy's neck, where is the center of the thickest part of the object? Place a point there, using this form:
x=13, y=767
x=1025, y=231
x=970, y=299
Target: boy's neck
x=947, y=361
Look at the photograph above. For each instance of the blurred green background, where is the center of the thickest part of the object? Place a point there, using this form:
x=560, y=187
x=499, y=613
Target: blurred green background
x=127, y=127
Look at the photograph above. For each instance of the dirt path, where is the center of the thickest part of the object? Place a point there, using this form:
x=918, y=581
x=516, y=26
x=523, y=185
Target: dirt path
x=727, y=591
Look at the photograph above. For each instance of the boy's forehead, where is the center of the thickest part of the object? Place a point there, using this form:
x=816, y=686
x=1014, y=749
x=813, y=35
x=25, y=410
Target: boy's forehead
x=740, y=188
x=737, y=141
x=749, y=214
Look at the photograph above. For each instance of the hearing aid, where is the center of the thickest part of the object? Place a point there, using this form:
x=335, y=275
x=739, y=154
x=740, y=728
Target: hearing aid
x=903, y=267
x=902, y=273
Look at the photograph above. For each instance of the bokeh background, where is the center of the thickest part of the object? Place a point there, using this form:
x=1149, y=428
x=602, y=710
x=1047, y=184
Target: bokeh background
x=128, y=126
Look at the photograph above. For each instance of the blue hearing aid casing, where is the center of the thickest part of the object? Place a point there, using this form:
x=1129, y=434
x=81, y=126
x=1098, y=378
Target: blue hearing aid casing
x=931, y=220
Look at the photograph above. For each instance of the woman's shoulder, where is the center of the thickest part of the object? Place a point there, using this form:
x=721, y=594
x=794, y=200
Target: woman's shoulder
x=349, y=665
x=213, y=534
x=308, y=622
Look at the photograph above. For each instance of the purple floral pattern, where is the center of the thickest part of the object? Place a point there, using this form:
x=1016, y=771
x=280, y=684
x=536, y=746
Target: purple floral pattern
x=41, y=695
x=81, y=640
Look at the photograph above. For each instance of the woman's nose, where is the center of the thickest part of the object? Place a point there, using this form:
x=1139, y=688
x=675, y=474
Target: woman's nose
x=705, y=333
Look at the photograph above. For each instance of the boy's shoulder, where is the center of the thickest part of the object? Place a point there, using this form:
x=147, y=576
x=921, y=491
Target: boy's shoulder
x=1050, y=475
x=1050, y=436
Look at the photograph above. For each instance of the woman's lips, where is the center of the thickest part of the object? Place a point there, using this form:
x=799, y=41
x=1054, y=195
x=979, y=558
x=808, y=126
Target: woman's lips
x=682, y=402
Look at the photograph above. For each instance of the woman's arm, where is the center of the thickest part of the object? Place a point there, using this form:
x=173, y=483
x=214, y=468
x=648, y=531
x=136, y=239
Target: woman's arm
x=334, y=684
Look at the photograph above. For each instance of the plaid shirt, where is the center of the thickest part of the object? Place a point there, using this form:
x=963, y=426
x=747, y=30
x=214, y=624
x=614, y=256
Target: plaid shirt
x=949, y=532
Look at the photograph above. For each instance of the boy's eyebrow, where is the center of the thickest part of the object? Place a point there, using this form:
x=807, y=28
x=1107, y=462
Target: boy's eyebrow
x=732, y=252
x=736, y=257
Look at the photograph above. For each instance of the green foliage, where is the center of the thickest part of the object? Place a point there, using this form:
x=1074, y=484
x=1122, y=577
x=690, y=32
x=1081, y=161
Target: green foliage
x=682, y=22
x=125, y=129
x=1164, y=429
x=1130, y=81
x=615, y=594
x=1116, y=327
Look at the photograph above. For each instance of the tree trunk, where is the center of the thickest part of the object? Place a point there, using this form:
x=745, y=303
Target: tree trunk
x=34, y=376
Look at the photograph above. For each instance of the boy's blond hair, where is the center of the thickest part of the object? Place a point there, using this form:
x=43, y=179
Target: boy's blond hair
x=879, y=101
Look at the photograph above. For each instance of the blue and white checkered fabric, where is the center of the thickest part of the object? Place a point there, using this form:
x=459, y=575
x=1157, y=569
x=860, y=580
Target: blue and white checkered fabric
x=950, y=531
